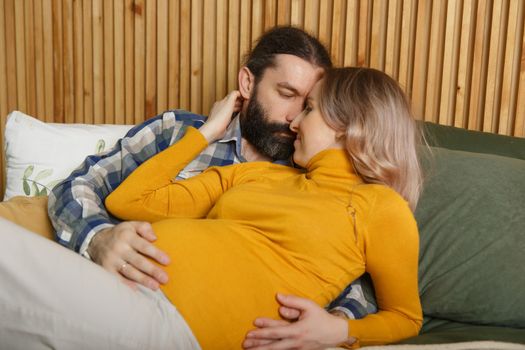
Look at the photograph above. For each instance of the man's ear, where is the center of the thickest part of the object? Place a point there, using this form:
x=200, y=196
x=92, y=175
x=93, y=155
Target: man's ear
x=246, y=82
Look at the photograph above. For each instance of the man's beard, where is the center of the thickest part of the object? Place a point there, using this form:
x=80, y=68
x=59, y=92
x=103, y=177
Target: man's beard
x=272, y=139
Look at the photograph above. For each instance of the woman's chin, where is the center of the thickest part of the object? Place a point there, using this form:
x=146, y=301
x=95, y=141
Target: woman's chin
x=298, y=160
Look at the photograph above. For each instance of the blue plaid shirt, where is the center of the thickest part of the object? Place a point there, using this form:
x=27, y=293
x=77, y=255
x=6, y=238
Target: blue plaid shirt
x=76, y=205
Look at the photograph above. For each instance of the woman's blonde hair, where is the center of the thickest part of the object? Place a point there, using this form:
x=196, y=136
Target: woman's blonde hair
x=381, y=134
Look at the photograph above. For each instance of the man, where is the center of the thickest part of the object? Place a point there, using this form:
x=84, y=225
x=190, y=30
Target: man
x=278, y=75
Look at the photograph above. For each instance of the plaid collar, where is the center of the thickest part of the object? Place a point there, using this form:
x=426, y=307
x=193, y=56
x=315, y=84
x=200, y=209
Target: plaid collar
x=233, y=134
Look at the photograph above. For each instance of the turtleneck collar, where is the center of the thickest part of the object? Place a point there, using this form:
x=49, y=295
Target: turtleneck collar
x=331, y=163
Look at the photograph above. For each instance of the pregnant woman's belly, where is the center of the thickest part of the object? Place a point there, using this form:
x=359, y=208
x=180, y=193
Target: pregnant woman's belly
x=223, y=275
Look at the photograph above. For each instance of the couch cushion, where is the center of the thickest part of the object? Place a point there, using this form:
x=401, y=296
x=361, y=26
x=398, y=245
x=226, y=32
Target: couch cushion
x=39, y=155
x=30, y=213
x=471, y=218
x=473, y=141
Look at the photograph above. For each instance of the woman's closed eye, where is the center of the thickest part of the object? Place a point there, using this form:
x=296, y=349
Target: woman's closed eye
x=307, y=109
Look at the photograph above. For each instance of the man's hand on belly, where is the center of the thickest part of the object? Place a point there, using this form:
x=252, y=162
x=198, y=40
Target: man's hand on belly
x=124, y=250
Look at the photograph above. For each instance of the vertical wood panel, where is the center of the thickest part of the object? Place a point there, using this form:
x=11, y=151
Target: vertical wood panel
x=12, y=83
x=493, y=81
x=233, y=43
x=98, y=63
x=139, y=60
x=87, y=91
x=129, y=60
x=151, y=60
x=29, y=29
x=519, y=126
x=352, y=33
x=109, y=62
x=479, y=75
x=270, y=14
x=245, y=31
x=435, y=62
x=257, y=19
x=58, y=63
x=174, y=53
x=325, y=22
x=407, y=49
x=506, y=113
x=338, y=31
x=419, y=88
x=20, y=41
x=311, y=17
x=3, y=90
x=196, y=56
x=162, y=56
x=78, y=62
x=297, y=13
x=363, y=47
x=3, y=72
x=209, y=54
x=185, y=50
x=221, y=72
x=283, y=12
x=67, y=53
x=393, y=37
x=450, y=62
x=465, y=63
x=378, y=35
x=49, y=93
x=120, y=62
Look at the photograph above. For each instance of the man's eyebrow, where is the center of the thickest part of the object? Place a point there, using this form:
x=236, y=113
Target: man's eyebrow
x=289, y=87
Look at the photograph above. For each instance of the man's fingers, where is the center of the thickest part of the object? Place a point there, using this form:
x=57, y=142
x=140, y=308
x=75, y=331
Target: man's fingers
x=147, y=267
x=128, y=283
x=145, y=230
x=131, y=273
x=147, y=249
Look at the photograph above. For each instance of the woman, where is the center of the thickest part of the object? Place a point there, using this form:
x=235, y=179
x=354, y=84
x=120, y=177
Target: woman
x=269, y=228
x=239, y=234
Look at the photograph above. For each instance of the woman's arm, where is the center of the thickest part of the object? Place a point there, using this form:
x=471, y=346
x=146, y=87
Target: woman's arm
x=391, y=246
x=150, y=194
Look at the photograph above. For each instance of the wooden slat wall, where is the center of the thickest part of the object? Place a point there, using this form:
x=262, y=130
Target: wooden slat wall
x=462, y=62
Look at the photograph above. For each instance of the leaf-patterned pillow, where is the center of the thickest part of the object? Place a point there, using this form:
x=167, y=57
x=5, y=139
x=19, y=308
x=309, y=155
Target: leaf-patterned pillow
x=39, y=155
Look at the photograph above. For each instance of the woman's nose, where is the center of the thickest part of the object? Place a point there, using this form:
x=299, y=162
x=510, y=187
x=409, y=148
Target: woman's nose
x=294, y=125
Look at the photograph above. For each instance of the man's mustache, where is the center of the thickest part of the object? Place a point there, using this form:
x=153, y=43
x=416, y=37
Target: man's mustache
x=280, y=128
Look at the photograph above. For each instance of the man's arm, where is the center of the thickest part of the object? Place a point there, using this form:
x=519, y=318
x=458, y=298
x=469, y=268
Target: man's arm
x=76, y=206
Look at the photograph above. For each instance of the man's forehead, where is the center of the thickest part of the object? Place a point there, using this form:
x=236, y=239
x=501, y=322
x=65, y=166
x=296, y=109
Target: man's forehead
x=294, y=73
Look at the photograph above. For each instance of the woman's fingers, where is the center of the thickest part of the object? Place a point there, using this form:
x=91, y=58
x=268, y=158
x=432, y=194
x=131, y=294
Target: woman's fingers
x=264, y=322
x=295, y=302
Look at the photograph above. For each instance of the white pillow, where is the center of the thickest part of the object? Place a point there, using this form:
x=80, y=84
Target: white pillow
x=39, y=155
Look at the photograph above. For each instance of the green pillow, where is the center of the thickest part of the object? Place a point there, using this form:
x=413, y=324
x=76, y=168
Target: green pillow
x=473, y=141
x=471, y=218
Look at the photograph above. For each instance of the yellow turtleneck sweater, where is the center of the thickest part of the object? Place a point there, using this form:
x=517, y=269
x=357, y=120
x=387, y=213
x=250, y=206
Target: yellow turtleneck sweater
x=265, y=228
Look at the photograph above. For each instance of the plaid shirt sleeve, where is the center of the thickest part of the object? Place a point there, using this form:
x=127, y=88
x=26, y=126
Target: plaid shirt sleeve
x=76, y=205
x=357, y=300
